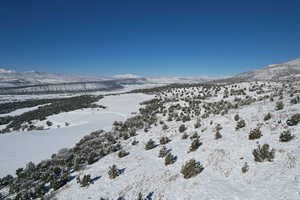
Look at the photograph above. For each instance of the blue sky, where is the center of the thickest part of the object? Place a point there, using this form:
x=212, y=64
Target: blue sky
x=152, y=38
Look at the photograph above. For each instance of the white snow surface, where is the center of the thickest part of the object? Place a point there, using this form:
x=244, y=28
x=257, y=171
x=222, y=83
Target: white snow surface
x=223, y=159
x=18, y=148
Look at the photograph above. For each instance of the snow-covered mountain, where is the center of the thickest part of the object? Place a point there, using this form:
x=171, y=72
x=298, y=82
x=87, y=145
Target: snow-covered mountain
x=126, y=76
x=9, y=78
x=284, y=71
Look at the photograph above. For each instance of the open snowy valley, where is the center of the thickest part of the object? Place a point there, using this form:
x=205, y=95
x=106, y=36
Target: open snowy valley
x=21, y=147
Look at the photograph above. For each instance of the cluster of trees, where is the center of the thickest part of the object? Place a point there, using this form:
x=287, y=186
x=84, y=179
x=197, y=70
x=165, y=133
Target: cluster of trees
x=168, y=88
x=24, y=121
x=12, y=106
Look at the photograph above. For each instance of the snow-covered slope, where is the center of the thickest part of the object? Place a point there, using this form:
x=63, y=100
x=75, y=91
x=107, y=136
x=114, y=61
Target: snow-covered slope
x=222, y=178
x=283, y=71
x=230, y=168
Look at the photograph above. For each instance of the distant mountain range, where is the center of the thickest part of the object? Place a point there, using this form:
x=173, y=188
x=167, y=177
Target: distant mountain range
x=9, y=78
x=12, y=82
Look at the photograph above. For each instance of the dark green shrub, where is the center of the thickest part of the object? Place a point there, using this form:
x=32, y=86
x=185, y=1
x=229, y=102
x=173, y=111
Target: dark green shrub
x=135, y=142
x=191, y=169
x=294, y=120
x=194, y=136
x=113, y=172
x=218, y=127
x=6, y=119
x=286, y=136
x=279, y=105
x=263, y=153
x=195, y=145
x=295, y=100
x=170, y=159
x=198, y=123
x=218, y=135
x=165, y=127
x=125, y=136
x=49, y=123
x=163, y=152
x=184, y=136
x=267, y=117
x=164, y=140
x=255, y=134
x=182, y=128
x=122, y=153
x=5, y=181
x=236, y=117
x=57, y=183
x=132, y=132
x=140, y=196
x=245, y=168
x=150, y=145
x=92, y=157
x=240, y=124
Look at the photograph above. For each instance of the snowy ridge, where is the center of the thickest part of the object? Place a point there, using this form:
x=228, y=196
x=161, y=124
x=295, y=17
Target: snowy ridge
x=12, y=82
x=283, y=71
x=10, y=78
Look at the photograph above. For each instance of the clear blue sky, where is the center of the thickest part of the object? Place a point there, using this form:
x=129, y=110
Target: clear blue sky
x=147, y=37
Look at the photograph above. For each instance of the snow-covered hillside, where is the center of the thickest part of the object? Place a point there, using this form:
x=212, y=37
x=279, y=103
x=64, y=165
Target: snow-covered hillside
x=222, y=159
x=283, y=71
x=237, y=141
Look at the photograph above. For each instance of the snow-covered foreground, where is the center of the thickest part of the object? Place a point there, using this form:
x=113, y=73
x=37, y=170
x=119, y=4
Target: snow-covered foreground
x=222, y=178
x=18, y=148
